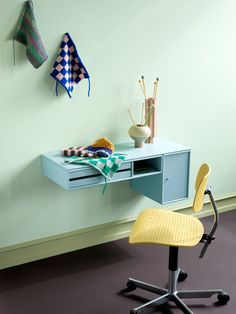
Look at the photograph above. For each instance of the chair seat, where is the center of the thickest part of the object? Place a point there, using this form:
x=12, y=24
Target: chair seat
x=167, y=228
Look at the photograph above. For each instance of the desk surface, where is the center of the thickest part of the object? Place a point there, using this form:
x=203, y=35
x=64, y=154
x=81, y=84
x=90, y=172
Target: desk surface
x=161, y=146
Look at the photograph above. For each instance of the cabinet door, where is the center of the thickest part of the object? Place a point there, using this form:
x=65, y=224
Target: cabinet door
x=175, y=176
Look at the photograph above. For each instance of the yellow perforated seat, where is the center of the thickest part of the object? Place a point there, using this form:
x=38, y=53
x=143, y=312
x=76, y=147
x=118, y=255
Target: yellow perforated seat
x=158, y=226
x=168, y=228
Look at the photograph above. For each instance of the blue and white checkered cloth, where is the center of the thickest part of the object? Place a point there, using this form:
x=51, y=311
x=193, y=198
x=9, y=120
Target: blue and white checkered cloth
x=68, y=69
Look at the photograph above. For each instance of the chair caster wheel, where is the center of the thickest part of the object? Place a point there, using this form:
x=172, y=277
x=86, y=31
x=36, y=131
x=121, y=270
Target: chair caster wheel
x=133, y=312
x=182, y=275
x=131, y=287
x=223, y=298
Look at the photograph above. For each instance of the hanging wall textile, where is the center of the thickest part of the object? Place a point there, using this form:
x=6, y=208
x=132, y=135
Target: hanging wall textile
x=27, y=33
x=68, y=69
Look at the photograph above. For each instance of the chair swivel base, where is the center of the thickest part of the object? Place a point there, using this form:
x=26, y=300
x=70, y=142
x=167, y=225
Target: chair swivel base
x=172, y=294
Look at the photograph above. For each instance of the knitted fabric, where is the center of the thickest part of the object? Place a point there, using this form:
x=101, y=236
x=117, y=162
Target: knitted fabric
x=68, y=69
x=28, y=34
x=103, y=147
x=106, y=166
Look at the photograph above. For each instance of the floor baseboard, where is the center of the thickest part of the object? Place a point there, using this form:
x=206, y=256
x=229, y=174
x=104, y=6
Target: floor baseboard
x=79, y=239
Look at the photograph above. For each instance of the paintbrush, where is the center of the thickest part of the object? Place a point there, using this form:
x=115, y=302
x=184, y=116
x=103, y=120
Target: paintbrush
x=140, y=83
x=155, y=88
x=144, y=87
x=131, y=116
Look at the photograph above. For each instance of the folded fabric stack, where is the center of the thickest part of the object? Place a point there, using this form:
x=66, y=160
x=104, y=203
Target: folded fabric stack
x=101, y=157
x=101, y=148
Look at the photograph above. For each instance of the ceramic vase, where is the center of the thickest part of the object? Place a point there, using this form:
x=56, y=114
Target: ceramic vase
x=139, y=133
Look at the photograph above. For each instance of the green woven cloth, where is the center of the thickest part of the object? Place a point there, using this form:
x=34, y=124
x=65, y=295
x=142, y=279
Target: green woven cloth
x=27, y=33
x=107, y=166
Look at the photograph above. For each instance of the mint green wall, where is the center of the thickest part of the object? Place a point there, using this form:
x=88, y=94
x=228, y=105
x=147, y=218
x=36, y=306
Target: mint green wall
x=190, y=45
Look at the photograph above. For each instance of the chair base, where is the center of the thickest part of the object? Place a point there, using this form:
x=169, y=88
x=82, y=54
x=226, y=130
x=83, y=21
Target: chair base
x=172, y=294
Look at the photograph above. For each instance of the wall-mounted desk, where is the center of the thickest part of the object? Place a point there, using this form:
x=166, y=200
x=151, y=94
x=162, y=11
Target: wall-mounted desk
x=159, y=171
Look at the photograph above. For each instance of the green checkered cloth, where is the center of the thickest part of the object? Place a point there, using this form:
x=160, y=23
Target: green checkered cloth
x=106, y=166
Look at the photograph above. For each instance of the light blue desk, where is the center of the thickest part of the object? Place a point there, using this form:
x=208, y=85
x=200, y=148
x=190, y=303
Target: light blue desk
x=159, y=171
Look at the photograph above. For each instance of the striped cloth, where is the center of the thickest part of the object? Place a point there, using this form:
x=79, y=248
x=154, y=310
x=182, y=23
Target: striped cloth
x=27, y=34
x=88, y=151
x=74, y=151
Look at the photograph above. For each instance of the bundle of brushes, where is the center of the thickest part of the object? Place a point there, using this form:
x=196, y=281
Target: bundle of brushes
x=143, y=87
x=145, y=116
x=150, y=107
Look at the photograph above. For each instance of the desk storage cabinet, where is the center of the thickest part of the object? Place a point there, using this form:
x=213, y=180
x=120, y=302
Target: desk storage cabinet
x=159, y=171
x=171, y=184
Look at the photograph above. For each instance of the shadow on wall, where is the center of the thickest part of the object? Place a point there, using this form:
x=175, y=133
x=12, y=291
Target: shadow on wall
x=22, y=184
x=28, y=180
x=34, y=207
x=29, y=191
x=124, y=195
x=14, y=57
x=8, y=48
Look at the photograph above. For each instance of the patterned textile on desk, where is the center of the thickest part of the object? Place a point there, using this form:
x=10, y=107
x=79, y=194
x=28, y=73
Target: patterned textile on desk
x=106, y=166
x=27, y=34
x=68, y=69
x=103, y=147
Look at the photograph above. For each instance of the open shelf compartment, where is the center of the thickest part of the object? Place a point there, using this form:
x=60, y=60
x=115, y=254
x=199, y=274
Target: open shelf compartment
x=147, y=166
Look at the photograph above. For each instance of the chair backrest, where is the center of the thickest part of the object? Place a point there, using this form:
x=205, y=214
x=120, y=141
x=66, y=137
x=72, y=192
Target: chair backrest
x=201, y=186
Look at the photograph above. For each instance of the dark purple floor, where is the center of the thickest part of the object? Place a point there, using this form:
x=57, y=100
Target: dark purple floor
x=89, y=281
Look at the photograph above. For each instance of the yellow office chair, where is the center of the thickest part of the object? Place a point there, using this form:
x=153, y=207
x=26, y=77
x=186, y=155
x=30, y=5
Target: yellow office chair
x=176, y=230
